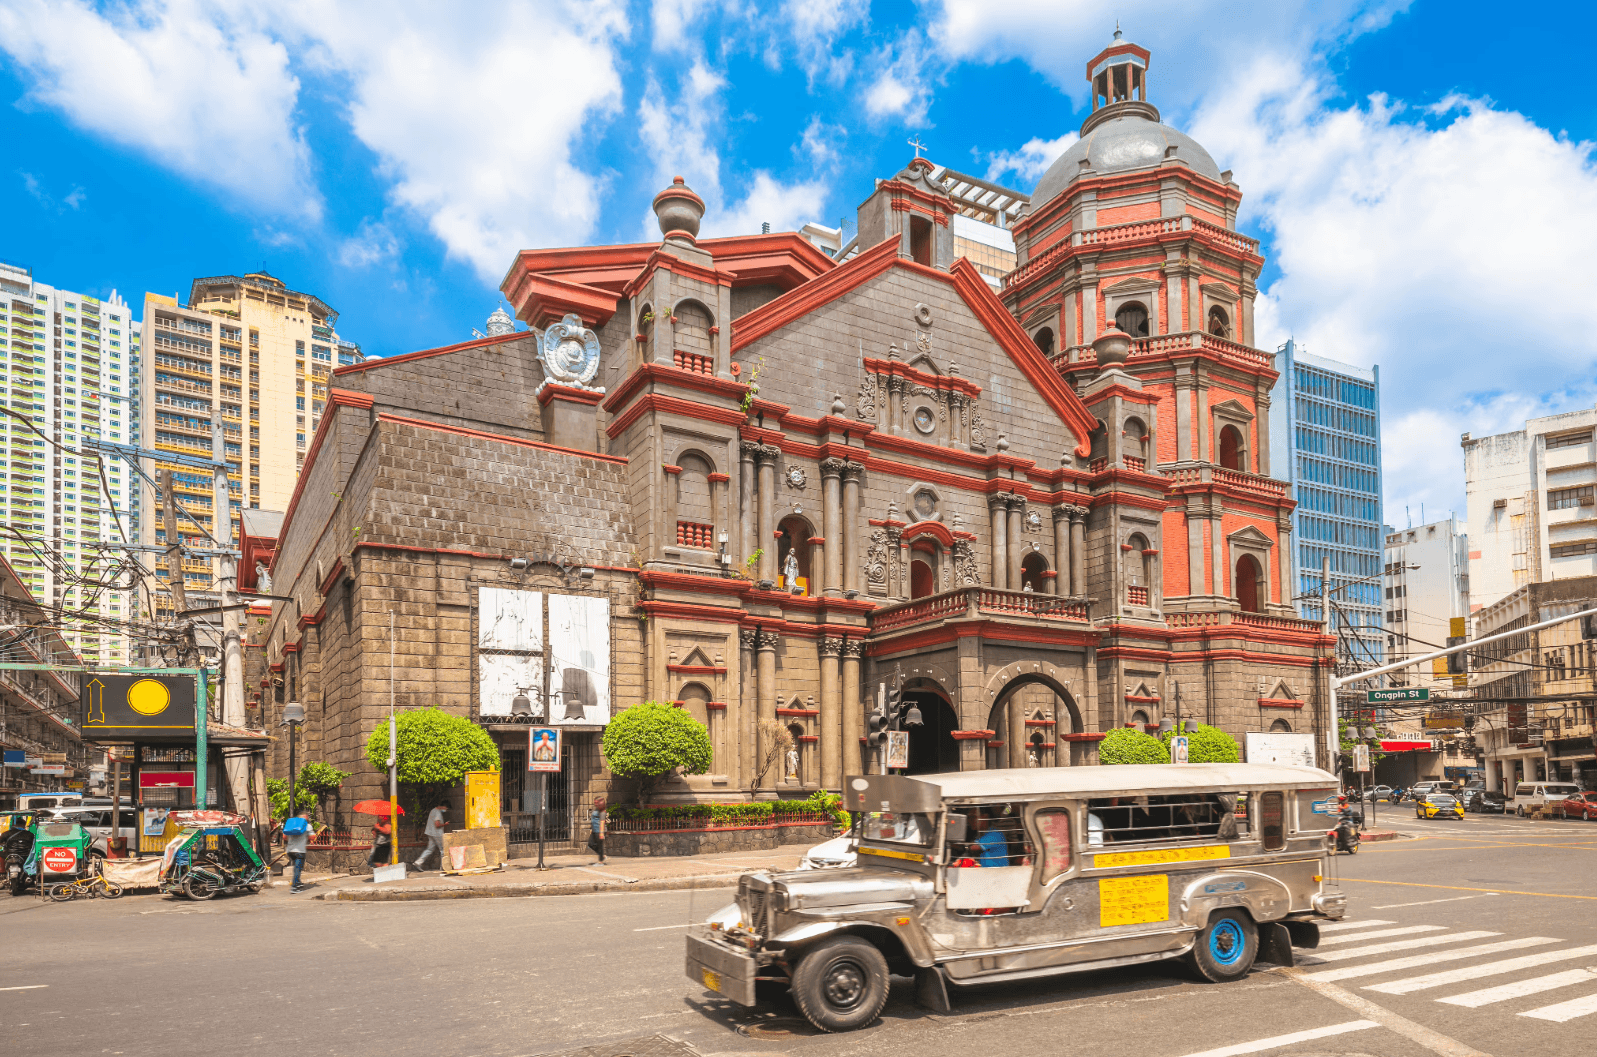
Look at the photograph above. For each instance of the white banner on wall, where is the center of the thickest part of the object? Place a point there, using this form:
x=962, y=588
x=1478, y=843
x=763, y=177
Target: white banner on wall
x=579, y=645
x=510, y=624
x=1295, y=750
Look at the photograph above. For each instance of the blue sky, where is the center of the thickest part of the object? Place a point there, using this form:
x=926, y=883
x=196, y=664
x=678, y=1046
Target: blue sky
x=1421, y=182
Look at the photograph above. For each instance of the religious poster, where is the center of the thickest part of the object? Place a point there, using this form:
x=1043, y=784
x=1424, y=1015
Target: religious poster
x=579, y=645
x=509, y=649
x=543, y=750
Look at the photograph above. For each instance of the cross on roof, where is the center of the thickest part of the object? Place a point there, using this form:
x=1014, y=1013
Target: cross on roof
x=917, y=144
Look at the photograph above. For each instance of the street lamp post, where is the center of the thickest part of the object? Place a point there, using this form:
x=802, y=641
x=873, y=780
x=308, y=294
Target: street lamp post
x=293, y=716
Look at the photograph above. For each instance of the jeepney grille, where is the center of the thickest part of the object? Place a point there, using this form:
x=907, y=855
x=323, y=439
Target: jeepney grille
x=754, y=904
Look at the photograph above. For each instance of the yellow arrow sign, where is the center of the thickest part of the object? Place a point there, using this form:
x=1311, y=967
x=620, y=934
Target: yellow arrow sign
x=96, y=702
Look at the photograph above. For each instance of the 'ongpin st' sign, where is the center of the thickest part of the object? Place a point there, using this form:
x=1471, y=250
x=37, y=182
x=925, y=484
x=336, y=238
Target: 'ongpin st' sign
x=1402, y=693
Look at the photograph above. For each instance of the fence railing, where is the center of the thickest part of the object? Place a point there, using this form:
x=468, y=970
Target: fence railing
x=666, y=825
x=975, y=601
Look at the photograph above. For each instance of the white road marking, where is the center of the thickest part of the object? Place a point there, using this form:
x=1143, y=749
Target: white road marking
x=25, y=987
x=657, y=928
x=1520, y=988
x=1475, y=972
x=1287, y=1040
x=1393, y=965
x=1575, y=1007
x=1428, y=902
x=1402, y=945
x=1360, y=937
x=1340, y=925
x=1429, y=1038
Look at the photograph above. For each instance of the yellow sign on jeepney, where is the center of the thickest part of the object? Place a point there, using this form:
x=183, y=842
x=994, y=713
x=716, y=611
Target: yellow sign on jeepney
x=1103, y=860
x=1133, y=900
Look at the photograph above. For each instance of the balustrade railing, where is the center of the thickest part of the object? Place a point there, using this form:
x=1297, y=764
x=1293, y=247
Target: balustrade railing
x=989, y=600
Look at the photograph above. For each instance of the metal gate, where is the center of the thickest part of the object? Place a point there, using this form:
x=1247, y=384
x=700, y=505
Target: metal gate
x=571, y=794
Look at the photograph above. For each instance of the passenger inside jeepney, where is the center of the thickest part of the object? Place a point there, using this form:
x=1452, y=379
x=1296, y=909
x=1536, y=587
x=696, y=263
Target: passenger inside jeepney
x=1182, y=816
x=1000, y=838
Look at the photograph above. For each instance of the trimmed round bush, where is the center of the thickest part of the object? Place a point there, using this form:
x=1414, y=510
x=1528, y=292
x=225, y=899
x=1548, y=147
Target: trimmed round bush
x=1208, y=745
x=1125, y=745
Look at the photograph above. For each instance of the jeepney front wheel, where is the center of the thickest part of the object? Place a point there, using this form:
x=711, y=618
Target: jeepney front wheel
x=841, y=984
x=1226, y=947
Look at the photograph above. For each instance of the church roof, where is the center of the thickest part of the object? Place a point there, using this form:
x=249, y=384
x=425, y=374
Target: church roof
x=1121, y=144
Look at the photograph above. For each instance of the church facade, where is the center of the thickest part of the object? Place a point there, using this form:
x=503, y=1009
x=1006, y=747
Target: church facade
x=768, y=486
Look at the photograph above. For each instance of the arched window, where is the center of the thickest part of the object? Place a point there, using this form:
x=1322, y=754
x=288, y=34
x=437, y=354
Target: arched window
x=922, y=580
x=1219, y=322
x=1099, y=439
x=1044, y=340
x=1134, y=449
x=691, y=332
x=646, y=328
x=1248, y=577
x=693, y=490
x=795, y=540
x=1032, y=568
x=1132, y=317
x=1140, y=718
x=1231, y=448
x=1138, y=565
x=695, y=697
x=998, y=723
x=920, y=240
x=1280, y=726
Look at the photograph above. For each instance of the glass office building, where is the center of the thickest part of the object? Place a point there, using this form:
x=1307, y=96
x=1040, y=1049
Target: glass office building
x=1326, y=431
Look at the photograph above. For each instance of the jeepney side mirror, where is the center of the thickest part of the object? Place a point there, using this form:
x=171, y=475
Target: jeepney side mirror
x=957, y=825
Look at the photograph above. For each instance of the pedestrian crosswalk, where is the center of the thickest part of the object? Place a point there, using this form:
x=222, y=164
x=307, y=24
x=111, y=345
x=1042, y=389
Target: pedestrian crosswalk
x=1452, y=968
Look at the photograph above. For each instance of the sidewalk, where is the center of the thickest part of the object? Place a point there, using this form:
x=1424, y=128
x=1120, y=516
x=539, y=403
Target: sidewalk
x=564, y=875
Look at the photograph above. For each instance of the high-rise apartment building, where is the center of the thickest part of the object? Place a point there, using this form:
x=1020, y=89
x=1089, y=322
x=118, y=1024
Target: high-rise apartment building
x=69, y=376
x=1426, y=598
x=255, y=355
x=1530, y=507
x=1326, y=430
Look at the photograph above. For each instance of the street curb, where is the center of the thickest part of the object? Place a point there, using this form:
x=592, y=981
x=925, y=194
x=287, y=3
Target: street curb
x=1381, y=834
x=515, y=891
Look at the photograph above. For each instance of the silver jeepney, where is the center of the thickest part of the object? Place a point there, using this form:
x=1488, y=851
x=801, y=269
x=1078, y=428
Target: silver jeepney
x=1001, y=875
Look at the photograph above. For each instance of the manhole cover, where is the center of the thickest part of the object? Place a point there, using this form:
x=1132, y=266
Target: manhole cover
x=644, y=1046
x=778, y=1029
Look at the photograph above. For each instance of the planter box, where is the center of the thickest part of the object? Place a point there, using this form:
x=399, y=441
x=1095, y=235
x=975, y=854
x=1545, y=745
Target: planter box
x=708, y=841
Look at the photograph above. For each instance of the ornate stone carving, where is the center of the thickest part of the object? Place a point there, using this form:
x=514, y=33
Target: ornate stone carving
x=895, y=383
x=748, y=637
x=853, y=647
x=831, y=647
x=978, y=430
x=965, y=564
x=853, y=471
x=1062, y=513
x=1032, y=522
x=868, y=391
x=767, y=639
x=766, y=453
x=748, y=449
x=923, y=315
x=832, y=467
x=876, y=556
x=795, y=477
x=569, y=352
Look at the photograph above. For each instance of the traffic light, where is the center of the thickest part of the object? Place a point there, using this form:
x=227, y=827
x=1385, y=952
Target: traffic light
x=1469, y=721
x=875, y=728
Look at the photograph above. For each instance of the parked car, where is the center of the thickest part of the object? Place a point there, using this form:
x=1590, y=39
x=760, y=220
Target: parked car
x=1579, y=805
x=1438, y=805
x=1485, y=801
x=1380, y=792
x=1420, y=790
x=1531, y=795
x=97, y=821
x=834, y=854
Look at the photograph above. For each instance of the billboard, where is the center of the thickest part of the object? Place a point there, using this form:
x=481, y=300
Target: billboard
x=509, y=649
x=1296, y=750
x=579, y=645
x=131, y=706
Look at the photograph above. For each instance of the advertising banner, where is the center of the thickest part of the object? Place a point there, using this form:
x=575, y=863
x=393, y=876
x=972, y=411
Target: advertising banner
x=509, y=649
x=1294, y=750
x=579, y=645
x=898, y=748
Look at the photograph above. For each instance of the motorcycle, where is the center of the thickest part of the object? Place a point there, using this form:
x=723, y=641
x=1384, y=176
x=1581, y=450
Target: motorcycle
x=17, y=846
x=1347, y=832
x=205, y=861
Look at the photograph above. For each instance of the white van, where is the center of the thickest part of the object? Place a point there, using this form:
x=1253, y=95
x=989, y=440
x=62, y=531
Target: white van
x=1531, y=795
x=48, y=801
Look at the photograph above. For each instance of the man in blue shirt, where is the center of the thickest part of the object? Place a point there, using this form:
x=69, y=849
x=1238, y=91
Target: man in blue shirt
x=993, y=845
x=296, y=842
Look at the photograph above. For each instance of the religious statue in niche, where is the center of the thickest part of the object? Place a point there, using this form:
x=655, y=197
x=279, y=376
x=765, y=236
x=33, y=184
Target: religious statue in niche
x=790, y=573
x=263, y=579
x=793, y=765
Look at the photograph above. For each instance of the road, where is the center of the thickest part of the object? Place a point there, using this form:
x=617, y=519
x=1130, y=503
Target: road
x=1477, y=937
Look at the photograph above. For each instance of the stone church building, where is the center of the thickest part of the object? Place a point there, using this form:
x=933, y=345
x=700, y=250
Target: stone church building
x=742, y=476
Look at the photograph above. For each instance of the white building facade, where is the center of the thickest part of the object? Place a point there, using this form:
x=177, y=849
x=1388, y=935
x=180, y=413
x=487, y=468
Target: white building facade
x=1426, y=591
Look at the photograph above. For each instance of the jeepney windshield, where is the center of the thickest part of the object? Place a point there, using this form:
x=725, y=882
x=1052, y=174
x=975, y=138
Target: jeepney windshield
x=898, y=827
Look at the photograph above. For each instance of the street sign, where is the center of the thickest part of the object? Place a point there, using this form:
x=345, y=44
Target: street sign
x=52, y=757
x=137, y=705
x=543, y=750
x=16, y=758
x=60, y=860
x=1361, y=757
x=1444, y=721
x=898, y=748
x=1402, y=693
x=1178, y=749
x=49, y=768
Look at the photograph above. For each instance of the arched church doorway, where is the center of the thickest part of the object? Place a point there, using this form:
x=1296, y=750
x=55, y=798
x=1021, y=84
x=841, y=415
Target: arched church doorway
x=1028, y=720
x=932, y=748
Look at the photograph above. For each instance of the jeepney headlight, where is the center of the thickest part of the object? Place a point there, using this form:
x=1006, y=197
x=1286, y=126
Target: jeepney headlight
x=725, y=918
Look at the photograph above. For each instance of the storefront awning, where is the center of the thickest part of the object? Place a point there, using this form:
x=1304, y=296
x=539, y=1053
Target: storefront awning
x=1407, y=746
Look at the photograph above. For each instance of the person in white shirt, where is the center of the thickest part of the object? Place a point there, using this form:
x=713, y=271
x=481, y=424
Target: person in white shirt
x=437, y=819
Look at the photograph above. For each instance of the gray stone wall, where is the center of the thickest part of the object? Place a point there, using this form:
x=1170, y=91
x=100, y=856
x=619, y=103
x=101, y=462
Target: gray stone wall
x=490, y=387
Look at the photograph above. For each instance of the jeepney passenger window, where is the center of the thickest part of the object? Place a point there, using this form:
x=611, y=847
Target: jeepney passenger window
x=1174, y=817
x=898, y=827
x=995, y=836
x=1053, y=829
x=1272, y=825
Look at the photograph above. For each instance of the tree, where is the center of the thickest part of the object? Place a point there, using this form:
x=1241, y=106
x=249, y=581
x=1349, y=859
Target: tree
x=277, y=793
x=1125, y=745
x=321, y=780
x=1208, y=745
x=776, y=740
x=435, y=750
x=649, y=741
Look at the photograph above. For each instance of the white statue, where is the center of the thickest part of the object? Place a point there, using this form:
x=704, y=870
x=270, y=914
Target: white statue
x=263, y=579
x=792, y=765
x=790, y=573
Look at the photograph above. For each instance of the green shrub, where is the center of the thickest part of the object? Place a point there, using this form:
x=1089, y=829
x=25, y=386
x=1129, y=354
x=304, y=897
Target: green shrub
x=277, y=793
x=1124, y=745
x=1208, y=745
x=649, y=741
x=435, y=750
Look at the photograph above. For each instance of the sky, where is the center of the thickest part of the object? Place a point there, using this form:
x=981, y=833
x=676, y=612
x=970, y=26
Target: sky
x=1421, y=174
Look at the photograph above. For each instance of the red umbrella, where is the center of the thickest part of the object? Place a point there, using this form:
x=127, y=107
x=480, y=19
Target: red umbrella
x=374, y=807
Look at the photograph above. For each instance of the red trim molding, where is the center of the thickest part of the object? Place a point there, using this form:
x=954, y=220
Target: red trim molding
x=798, y=711
x=801, y=300
x=1279, y=702
x=969, y=735
x=696, y=669
x=554, y=391
x=1092, y=735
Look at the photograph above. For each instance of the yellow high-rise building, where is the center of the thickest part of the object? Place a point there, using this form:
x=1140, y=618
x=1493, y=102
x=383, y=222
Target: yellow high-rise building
x=254, y=355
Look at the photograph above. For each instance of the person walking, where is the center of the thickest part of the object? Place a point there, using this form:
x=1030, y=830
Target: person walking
x=437, y=820
x=382, y=839
x=596, y=826
x=297, y=833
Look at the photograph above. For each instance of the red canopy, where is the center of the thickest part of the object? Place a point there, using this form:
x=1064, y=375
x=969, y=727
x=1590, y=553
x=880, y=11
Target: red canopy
x=1407, y=746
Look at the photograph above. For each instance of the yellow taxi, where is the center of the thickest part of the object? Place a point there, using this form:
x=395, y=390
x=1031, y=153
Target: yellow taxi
x=1439, y=805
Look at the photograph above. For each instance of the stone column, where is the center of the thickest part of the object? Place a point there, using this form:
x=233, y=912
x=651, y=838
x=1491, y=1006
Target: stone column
x=1261, y=429
x=853, y=711
x=1017, y=506
x=1015, y=744
x=1078, y=550
x=746, y=727
x=998, y=512
x=831, y=715
x=765, y=697
x=673, y=500
x=765, y=527
x=1283, y=558
x=832, y=525
x=853, y=531
x=746, y=502
x=1183, y=400
x=718, y=510
x=1204, y=419
x=895, y=403
x=1061, y=581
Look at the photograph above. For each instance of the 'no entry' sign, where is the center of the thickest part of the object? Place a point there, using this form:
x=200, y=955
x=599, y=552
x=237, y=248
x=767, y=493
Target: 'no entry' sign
x=60, y=860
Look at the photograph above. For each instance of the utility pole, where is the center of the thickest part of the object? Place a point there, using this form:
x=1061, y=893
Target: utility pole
x=1333, y=736
x=227, y=585
x=174, y=546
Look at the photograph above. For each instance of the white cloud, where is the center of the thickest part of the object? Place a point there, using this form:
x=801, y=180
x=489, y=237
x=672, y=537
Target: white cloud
x=1031, y=160
x=813, y=28
x=372, y=243
x=194, y=88
x=822, y=143
x=902, y=89
x=785, y=206
x=1446, y=245
x=673, y=19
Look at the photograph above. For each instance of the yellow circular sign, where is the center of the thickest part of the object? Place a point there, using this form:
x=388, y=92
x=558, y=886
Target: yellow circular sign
x=149, y=697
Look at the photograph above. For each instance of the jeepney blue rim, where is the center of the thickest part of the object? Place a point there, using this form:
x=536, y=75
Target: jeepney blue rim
x=1226, y=932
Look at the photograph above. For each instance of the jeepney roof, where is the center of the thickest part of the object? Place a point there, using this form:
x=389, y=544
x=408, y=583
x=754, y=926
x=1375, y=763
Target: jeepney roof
x=1122, y=778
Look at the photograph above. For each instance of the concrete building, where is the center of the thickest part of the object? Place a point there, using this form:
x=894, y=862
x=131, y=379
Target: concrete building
x=1426, y=588
x=1530, y=513
x=69, y=366
x=1327, y=437
x=38, y=709
x=255, y=355
x=1526, y=730
x=741, y=476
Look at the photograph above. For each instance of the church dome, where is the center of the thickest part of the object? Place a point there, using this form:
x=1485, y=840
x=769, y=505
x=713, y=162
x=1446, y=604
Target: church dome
x=1124, y=142
x=500, y=323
